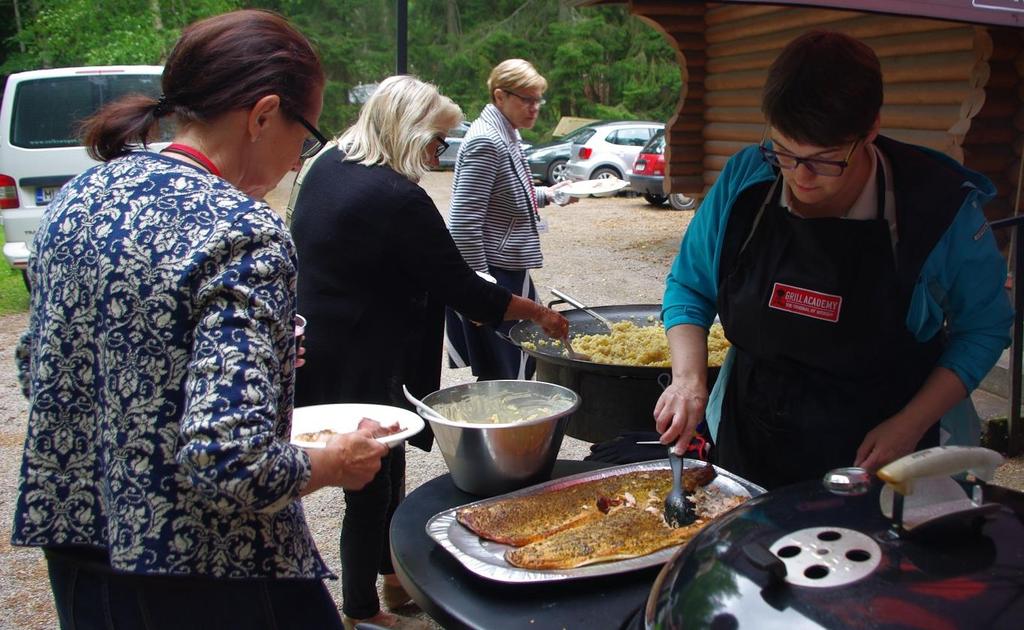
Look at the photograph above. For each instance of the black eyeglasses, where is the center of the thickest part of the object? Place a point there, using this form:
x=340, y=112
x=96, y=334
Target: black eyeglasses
x=827, y=168
x=311, y=146
x=529, y=100
x=441, y=147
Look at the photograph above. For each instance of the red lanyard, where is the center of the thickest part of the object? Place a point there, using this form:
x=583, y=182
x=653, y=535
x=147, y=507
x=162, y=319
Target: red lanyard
x=195, y=154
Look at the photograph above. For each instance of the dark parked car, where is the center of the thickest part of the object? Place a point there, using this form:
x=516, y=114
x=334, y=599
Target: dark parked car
x=547, y=160
x=648, y=175
x=454, y=140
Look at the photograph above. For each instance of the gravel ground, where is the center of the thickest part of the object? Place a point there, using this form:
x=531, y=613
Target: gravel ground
x=603, y=251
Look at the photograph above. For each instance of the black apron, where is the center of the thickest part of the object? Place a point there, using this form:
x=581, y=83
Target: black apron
x=816, y=312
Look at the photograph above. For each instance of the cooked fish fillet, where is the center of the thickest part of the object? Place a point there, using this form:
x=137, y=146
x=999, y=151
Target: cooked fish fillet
x=696, y=477
x=523, y=520
x=711, y=504
x=628, y=532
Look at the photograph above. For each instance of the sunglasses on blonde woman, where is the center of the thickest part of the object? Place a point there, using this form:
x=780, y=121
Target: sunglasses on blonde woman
x=441, y=147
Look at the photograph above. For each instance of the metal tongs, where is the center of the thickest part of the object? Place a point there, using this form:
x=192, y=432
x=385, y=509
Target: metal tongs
x=586, y=309
x=679, y=510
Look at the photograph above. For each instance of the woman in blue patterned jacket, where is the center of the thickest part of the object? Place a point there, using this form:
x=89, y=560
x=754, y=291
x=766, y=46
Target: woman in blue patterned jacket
x=159, y=359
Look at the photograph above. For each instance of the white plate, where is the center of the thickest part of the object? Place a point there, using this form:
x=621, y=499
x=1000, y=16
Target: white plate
x=345, y=417
x=594, y=187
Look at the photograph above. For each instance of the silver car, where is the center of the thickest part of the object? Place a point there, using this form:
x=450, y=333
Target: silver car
x=609, y=150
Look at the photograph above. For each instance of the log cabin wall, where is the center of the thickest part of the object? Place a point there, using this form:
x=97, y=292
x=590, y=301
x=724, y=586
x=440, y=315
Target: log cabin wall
x=992, y=143
x=952, y=87
x=684, y=27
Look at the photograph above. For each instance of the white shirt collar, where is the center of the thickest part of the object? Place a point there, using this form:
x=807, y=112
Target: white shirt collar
x=866, y=206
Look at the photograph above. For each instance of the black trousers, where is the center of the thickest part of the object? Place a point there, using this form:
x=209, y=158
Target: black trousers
x=485, y=348
x=365, y=539
x=90, y=595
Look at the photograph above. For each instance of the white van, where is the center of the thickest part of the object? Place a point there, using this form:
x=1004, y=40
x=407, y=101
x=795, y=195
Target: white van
x=40, y=148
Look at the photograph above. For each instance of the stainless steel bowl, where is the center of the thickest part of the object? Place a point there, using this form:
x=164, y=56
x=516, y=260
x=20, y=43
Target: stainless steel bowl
x=488, y=459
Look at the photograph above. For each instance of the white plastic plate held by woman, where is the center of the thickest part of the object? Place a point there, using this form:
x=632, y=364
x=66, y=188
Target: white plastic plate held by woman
x=604, y=187
x=345, y=417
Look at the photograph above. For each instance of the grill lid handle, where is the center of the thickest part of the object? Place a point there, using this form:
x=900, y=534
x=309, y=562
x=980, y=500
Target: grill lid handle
x=940, y=461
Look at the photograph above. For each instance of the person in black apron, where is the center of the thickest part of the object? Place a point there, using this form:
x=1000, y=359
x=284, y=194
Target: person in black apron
x=816, y=313
x=814, y=297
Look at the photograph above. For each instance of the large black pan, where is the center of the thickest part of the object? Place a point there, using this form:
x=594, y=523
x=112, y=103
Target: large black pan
x=580, y=323
x=614, y=398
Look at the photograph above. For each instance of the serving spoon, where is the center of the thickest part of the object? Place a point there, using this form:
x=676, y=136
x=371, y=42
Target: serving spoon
x=575, y=356
x=423, y=407
x=679, y=510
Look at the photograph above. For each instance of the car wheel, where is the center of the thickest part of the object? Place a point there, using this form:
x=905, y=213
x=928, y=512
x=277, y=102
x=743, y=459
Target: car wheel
x=605, y=173
x=681, y=202
x=655, y=200
x=557, y=172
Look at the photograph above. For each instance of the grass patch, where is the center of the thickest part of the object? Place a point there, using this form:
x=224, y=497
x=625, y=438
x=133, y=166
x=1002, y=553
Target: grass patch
x=13, y=294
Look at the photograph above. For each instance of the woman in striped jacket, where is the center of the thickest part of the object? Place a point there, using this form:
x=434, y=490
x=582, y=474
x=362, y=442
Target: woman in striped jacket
x=494, y=217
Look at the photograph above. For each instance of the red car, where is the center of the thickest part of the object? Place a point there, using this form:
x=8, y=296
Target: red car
x=649, y=174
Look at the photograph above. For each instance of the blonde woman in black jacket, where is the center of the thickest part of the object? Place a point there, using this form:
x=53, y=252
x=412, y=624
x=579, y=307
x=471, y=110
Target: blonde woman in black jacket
x=376, y=268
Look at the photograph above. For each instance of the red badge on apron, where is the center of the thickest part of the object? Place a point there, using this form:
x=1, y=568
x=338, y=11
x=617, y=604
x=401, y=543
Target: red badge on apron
x=805, y=302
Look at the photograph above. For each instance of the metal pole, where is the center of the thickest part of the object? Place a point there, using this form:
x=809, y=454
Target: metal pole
x=401, y=36
x=1015, y=432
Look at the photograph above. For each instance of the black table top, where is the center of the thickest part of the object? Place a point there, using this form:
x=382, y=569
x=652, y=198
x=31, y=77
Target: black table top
x=457, y=598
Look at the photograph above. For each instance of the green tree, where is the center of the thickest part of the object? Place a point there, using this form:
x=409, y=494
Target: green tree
x=600, y=62
x=356, y=41
x=90, y=32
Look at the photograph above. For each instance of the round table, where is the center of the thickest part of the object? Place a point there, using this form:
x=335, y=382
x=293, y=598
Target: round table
x=458, y=598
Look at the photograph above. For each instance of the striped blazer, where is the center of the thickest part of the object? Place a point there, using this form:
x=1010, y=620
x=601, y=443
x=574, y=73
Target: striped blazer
x=491, y=215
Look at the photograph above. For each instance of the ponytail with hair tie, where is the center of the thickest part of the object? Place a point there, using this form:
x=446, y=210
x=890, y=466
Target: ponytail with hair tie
x=162, y=107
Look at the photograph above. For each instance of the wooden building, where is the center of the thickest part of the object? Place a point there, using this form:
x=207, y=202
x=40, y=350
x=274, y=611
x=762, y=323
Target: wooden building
x=950, y=85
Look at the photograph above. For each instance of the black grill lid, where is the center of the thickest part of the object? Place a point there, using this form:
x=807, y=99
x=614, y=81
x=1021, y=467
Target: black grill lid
x=970, y=576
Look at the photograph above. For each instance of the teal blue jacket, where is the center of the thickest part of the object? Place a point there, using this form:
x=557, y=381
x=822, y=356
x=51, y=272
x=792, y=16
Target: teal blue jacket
x=961, y=284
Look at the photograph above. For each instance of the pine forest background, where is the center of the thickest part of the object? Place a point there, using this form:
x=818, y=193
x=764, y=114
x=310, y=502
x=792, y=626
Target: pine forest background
x=600, y=62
